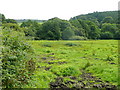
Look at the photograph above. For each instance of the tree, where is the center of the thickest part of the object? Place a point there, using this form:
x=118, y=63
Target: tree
x=67, y=33
x=85, y=27
x=3, y=18
x=117, y=34
x=108, y=19
x=107, y=27
x=94, y=31
x=11, y=26
x=27, y=23
x=99, y=16
x=76, y=23
x=50, y=30
x=31, y=28
x=77, y=27
x=50, y=36
x=106, y=35
x=11, y=21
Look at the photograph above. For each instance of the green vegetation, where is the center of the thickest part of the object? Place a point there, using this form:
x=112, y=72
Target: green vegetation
x=60, y=53
x=97, y=25
x=16, y=59
x=99, y=16
x=68, y=58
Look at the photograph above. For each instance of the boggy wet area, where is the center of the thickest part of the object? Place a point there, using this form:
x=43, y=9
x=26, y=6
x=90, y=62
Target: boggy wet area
x=87, y=81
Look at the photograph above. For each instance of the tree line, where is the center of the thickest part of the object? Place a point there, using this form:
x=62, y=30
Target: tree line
x=91, y=26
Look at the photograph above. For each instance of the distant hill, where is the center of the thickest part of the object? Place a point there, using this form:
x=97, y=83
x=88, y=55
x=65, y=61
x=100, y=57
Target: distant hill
x=24, y=20
x=97, y=15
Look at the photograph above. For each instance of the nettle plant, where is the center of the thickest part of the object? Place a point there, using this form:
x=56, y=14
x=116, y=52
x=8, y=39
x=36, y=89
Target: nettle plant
x=17, y=61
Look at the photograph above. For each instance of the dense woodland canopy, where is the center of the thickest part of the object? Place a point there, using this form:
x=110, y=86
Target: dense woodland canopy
x=97, y=25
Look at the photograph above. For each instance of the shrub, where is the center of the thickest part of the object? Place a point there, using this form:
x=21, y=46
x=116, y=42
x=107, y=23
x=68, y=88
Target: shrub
x=15, y=55
x=109, y=58
x=71, y=44
x=47, y=45
x=41, y=79
x=78, y=38
x=66, y=70
x=106, y=35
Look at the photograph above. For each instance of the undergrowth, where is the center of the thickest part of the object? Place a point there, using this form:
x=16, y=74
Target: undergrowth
x=97, y=57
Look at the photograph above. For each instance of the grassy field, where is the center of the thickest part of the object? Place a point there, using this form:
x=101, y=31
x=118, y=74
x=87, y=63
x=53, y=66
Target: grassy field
x=82, y=64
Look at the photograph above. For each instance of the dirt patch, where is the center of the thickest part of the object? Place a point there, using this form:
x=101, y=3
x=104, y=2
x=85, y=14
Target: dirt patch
x=47, y=68
x=57, y=62
x=87, y=81
x=58, y=83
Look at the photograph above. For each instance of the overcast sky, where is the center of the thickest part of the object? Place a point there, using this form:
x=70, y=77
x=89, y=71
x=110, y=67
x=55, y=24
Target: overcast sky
x=46, y=9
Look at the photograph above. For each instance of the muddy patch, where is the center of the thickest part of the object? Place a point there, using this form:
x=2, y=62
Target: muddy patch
x=57, y=62
x=59, y=83
x=48, y=68
x=87, y=81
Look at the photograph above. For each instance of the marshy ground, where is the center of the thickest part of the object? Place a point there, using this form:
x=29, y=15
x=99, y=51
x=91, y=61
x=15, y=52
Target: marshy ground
x=76, y=64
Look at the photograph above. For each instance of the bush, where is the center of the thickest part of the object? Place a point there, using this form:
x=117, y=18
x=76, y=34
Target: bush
x=66, y=70
x=16, y=55
x=109, y=58
x=78, y=38
x=106, y=35
x=71, y=44
x=47, y=45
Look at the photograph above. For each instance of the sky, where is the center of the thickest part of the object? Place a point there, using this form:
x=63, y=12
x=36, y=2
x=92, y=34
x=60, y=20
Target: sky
x=46, y=9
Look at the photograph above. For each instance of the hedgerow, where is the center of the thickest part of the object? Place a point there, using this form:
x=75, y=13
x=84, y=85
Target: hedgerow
x=17, y=61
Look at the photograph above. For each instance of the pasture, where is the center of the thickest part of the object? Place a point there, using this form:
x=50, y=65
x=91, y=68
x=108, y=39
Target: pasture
x=75, y=64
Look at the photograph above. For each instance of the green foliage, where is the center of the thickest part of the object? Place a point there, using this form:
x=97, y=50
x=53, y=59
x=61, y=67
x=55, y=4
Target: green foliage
x=31, y=28
x=55, y=29
x=47, y=45
x=98, y=15
x=41, y=79
x=94, y=32
x=85, y=27
x=67, y=33
x=66, y=61
x=10, y=21
x=109, y=27
x=15, y=54
x=2, y=17
x=60, y=58
x=66, y=70
x=117, y=34
x=106, y=72
x=106, y=35
x=91, y=26
x=78, y=38
x=12, y=26
x=71, y=44
x=108, y=31
x=109, y=58
x=108, y=19
x=50, y=30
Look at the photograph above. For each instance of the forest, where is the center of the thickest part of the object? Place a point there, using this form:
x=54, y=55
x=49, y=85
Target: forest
x=77, y=53
x=97, y=25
